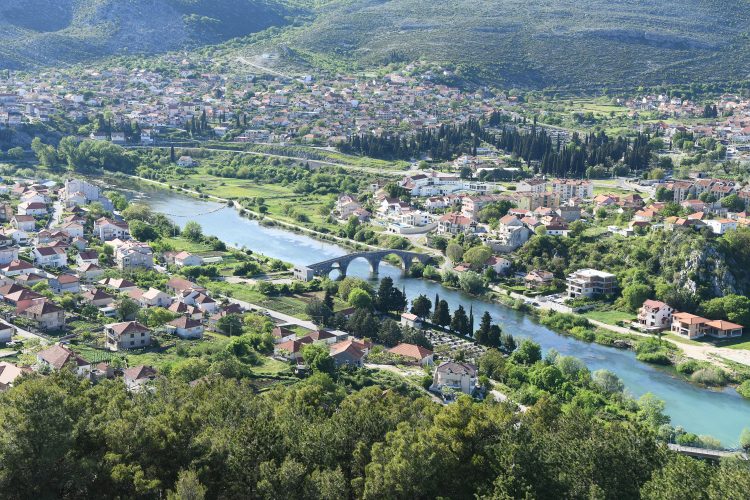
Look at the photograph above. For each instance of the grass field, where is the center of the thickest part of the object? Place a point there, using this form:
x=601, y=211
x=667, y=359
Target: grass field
x=294, y=306
x=738, y=343
x=609, y=317
x=181, y=244
x=277, y=198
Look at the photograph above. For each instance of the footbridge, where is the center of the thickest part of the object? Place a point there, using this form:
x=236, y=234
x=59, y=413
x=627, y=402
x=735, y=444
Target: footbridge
x=341, y=264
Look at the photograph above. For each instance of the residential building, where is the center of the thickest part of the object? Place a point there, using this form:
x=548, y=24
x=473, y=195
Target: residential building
x=452, y=376
x=688, y=325
x=65, y=283
x=414, y=353
x=133, y=255
x=46, y=314
x=108, y=229
x=186, y=327
x=23, y=222
x=454, y=224
x=573, y=188
x=349, y=352
x=57, y=356
x=721, y=226
x=590, y=283
x=155, y=298
x=127, y=335
x=137, y=377
x=533, y=185
x=655, y=315
x=183, y=259
x=9, y=373
x=538, y=279
x=291, y=349
x=50, y=257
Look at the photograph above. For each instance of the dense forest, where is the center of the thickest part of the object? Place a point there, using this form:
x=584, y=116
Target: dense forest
x=349, y=434
x=532, y=144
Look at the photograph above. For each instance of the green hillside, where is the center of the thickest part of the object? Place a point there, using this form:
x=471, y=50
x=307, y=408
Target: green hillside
x=566, y=43
x=49, y=32
x=574, y=45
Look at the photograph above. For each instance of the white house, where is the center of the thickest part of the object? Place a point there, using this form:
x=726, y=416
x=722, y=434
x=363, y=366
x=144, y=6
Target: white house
x=155, y=298
x=655, y=315
x=452, y=376
x=107, y=229
x=183, y=259
x=186, y=328
x=57, y=356
x=50, y=257
x=23, y=222
x=186, y=161
x=721, y=226
x=34, y=208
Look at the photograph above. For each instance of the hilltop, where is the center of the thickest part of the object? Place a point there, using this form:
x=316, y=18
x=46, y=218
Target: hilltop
x=562, y=44
x=37, y=33
x=548, y=43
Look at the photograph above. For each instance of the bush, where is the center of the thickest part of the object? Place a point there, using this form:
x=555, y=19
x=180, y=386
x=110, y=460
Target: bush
x=689, y=367
x=710, y=376
x=657, y=358
x=744, y=389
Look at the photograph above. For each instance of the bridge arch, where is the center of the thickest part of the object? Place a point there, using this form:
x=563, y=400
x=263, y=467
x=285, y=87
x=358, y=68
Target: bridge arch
x=373, y=258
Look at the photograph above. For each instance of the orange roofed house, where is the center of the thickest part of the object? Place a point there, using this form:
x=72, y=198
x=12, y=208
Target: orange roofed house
x=693, y=327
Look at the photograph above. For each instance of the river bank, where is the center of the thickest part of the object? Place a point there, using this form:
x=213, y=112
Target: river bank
x=721, y=413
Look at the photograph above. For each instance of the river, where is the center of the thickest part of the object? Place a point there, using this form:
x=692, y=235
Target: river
x=720, y=413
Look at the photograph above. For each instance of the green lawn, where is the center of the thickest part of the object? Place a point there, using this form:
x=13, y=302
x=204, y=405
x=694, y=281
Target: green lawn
x=738, y=343
x=271, y=367
x=181, y=244
x=277, y=198
x=680, y=339
x=609, y=317
x=294, y=306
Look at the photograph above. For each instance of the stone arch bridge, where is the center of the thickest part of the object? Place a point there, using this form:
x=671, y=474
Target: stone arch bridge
x=341, y=264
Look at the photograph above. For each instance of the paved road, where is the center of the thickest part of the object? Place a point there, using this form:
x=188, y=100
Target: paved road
x=21, y=332
x=285, y=318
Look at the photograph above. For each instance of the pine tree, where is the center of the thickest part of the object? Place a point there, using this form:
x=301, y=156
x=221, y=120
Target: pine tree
x=460, y=322
x=494, y=337
x=471, y=319
x=385, y=297
x=442, y=315
x=482, y=334
x=328, y=300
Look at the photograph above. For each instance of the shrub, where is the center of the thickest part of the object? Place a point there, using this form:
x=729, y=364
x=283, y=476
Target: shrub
x=711, y=376
x=689, y=367
x=744, y=389
x=657, y=358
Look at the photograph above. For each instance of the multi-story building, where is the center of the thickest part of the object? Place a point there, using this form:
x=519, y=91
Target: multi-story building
x=107, y=229
x=133, y=255
x=655, y=315
x=590, y=283
x=573, y=188
x=127, y=335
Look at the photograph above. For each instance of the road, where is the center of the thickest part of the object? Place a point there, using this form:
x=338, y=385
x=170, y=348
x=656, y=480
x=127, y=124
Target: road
x=284, y=318
x=700, y=351
x=23, y=333
x=244, y=60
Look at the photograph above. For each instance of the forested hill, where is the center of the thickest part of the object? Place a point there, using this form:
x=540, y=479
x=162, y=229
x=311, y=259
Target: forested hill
x=546, y=43
x=51, y=32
